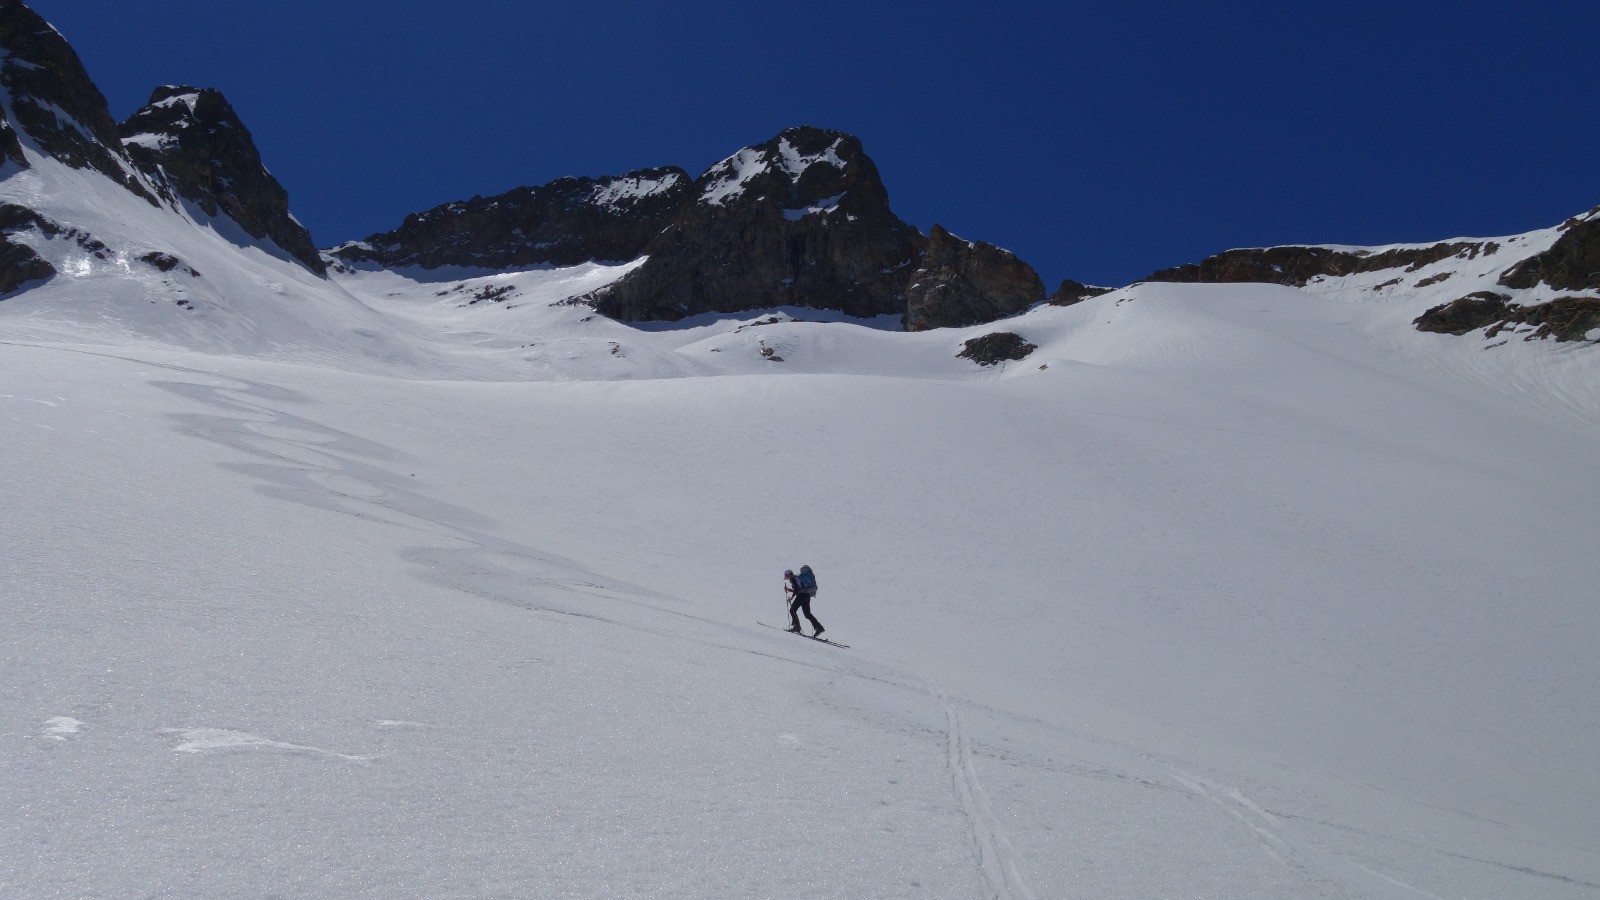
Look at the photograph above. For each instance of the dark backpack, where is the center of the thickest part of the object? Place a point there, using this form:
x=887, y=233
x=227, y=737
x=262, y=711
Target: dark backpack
x=806, y=581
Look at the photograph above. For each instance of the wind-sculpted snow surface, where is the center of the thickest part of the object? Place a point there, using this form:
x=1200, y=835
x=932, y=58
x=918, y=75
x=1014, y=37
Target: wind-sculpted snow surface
x=1221, y=591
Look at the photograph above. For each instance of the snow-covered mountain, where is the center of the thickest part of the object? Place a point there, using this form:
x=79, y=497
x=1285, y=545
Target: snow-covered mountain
x=415, y=575
x=800, y=220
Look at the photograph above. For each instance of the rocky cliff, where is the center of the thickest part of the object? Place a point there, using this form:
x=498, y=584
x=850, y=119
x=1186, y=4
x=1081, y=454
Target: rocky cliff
x=562, y=223
x=192, y=145
x=1571, y=264
x=961, y=282
x=801, y=220
x=804, y=220
x=51, y=102
x=186, y=145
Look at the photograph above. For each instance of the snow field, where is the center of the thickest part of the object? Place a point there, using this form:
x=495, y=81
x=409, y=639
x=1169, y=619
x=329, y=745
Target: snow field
x=359, y=588
x=1116, y=630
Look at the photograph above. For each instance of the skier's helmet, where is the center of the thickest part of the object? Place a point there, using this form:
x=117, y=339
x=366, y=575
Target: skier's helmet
x=788, y=571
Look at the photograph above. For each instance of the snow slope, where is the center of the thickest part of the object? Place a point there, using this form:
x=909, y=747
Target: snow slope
x=1225, y=591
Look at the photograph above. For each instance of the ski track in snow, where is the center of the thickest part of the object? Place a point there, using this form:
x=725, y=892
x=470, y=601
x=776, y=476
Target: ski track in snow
x=997, y=859
x=307, y=466
x=1271, y=833
x=309, y=463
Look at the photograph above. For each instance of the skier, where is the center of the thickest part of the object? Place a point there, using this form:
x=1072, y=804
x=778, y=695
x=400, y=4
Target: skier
x=800, y=589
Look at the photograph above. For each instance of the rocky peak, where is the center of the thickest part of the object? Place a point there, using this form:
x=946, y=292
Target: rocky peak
x=800, y=220
x=962, y=282
x=565, y=222
x=190, y=141
x=52, y=102
x=803, y=171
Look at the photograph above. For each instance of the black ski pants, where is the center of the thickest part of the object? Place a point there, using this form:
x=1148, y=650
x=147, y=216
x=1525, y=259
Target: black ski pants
x=802, y=604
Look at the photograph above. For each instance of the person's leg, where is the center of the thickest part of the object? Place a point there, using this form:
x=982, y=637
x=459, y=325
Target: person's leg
x=805, y=606
x=794, y=611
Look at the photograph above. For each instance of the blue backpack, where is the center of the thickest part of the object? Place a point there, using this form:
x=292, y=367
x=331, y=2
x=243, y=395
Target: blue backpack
x=806, y=580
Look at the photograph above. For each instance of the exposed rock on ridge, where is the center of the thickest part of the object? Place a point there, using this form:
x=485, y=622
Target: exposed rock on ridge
x=565, y=222
x=1071, y=292
x=801, y=220
x=967, y=282
x=41, y=74
x=192, y=143
x=1295, y=266
x=804, y=220
x=19, y=265
x=1564, y=318
x=1571, y=264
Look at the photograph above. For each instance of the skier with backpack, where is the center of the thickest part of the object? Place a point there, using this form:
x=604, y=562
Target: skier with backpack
x=800, y=589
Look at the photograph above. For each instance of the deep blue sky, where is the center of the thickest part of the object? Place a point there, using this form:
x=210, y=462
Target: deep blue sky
x=1100, y=141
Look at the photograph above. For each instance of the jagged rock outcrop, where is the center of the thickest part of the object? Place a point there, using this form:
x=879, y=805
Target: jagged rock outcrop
x=996, y=347
x=54, y=102
x=801, y=220
x=190, y=141
x=959, y=282
x=10, y=144
x=1564, y=318
x=565, y=222
x=19, y=265
x=1571, y=264
x=1071, y=292
x=1296, y=266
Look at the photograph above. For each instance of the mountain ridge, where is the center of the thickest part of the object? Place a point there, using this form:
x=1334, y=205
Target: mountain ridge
x=800, y=221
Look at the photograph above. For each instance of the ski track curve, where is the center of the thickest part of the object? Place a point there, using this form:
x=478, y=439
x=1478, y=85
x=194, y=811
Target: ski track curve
x=1272, y=833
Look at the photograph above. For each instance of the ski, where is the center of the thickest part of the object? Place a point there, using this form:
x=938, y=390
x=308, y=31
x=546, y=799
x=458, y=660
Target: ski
x=820, y=640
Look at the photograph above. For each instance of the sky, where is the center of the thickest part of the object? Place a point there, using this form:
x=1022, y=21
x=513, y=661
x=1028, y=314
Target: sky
x=1099, y=141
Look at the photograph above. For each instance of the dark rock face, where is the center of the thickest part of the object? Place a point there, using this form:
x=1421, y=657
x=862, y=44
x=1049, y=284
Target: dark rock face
x=43, y=74
x=19, y=265
x=563, y=223
x=191, y=141
x=166, y=262
x=1571, y=264
x=801, y=220
x=1072, y=292
x=967, y=282
x=1296, y=266
x=1464, y=314
x=10, y=145
x=1565, y=318
x=997, y=347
